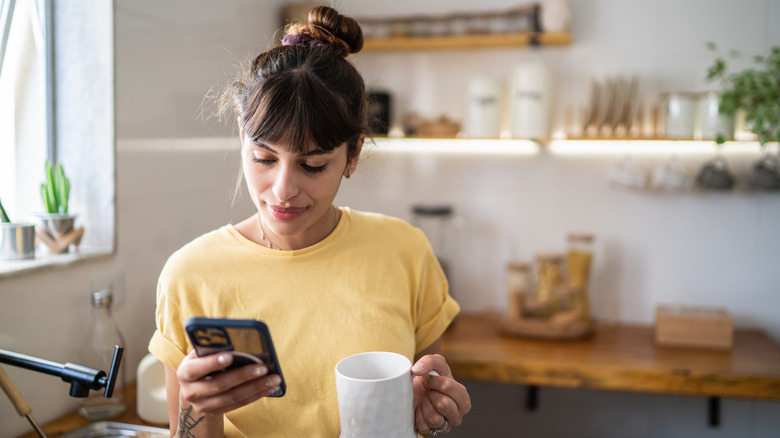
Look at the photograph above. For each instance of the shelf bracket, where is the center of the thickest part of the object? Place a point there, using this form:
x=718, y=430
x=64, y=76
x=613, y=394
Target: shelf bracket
x=532, y=398
x=714, y=411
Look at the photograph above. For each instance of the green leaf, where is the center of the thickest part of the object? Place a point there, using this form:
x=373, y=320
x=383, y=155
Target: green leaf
x=3, y=214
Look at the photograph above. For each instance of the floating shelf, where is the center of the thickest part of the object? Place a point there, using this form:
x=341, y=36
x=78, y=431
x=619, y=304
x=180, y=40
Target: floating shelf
x=467, y=41
x=451, y=146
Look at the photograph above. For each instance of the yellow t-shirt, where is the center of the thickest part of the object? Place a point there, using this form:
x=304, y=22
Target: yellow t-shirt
x=372, y=284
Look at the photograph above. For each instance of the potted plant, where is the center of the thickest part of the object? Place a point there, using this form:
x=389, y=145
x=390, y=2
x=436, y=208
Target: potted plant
x=756, y=91
x=17, y=240
x=57, y=222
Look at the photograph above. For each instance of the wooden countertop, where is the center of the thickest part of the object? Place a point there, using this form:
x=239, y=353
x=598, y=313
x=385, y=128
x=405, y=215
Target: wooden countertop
x=617, y=357
x=72, y=421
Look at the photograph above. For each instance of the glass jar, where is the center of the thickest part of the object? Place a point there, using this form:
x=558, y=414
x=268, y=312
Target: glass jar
x=549, y=274
x=517, y=287
x=437, y=222
x=579, y=257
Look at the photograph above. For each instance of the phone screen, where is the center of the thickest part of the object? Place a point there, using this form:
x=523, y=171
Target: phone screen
x=250, y=342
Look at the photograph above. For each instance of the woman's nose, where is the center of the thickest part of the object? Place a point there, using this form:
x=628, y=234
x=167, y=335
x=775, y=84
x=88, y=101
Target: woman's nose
x=285, y=184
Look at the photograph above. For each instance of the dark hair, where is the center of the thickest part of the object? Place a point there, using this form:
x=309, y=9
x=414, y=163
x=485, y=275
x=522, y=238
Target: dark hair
x=306, y=94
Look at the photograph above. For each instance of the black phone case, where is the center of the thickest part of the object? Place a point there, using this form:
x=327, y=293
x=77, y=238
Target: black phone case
x=212, y=335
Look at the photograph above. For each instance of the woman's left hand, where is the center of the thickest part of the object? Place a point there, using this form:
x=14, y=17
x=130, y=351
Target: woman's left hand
x=440, y=402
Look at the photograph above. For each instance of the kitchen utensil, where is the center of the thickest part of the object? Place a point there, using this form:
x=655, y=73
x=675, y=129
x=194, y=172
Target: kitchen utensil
x=20, y=404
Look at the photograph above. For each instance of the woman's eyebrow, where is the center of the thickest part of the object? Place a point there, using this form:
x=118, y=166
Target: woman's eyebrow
x=313, y=152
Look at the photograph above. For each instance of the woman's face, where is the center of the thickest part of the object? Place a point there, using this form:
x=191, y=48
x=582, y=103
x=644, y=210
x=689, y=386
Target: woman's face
x=294, y=192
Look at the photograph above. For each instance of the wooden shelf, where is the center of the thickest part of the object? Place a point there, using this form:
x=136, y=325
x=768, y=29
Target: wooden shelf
x=616, y=356
x=466, y=41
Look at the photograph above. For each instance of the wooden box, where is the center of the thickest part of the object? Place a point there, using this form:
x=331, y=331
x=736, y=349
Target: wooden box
x=693, y=326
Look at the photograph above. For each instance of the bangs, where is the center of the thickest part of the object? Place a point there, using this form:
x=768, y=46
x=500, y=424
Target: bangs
x=297, y=108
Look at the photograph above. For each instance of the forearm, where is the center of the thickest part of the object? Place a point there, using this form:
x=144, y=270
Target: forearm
x=192, y=424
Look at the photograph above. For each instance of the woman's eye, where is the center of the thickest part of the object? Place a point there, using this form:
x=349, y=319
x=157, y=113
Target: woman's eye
x=313, y=169
x=261, y=160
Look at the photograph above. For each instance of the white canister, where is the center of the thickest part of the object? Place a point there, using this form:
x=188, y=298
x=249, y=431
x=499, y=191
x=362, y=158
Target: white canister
x=710, y=122
x=679, y=115
x=152, y=402
x=530, y=100
x=483, y=108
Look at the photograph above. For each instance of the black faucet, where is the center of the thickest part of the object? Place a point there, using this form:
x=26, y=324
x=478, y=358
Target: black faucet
x=80, y=377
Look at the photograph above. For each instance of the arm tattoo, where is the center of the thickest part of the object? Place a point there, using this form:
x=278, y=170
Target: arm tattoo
x=187, y=423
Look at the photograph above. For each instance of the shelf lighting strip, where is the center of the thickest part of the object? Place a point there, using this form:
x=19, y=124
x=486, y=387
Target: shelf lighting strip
x=456, y=147
x=653, y=147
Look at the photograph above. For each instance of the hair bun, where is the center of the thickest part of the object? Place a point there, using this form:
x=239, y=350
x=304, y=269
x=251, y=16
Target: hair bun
x=326, y=24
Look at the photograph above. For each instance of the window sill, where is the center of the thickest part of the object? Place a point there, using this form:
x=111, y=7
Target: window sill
x=9, y=268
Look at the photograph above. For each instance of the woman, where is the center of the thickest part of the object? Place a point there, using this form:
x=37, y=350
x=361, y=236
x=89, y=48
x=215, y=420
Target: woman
x=329, y=282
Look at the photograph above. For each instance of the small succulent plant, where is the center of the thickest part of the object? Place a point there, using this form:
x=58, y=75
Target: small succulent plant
x=56, y=190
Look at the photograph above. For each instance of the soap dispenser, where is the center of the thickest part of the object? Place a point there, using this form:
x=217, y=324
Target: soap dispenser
x=97, y=351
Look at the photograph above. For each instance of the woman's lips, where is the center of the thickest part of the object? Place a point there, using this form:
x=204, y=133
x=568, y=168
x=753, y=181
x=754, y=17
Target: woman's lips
x=286, y=213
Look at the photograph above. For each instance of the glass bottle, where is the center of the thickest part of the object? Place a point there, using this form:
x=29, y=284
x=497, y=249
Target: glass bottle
x=579, y=256
x=97, y=352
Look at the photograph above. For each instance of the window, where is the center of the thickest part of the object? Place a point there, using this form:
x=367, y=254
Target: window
x=22, y=105
x=56, y=103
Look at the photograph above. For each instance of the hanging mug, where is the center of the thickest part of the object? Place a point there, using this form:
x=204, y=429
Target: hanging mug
x=715, y=174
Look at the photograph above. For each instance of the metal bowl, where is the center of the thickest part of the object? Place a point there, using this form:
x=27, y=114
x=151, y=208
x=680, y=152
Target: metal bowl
x=110, y=429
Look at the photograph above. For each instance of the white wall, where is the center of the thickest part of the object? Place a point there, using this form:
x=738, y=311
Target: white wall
x=695, y=248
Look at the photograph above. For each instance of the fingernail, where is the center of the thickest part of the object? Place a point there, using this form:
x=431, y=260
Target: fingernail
x=274, y=381
x=260, y=370
x=418, y=368
x=223, y=358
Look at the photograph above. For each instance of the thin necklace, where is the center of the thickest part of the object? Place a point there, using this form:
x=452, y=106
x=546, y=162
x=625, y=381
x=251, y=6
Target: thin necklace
x=263, y=236
x=271, y=245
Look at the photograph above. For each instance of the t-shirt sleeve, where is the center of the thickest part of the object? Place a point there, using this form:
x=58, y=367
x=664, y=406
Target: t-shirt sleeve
x=168, y=343
x=435, y=307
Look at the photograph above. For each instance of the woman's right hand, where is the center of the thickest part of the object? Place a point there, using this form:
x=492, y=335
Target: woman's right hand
x=204, y=397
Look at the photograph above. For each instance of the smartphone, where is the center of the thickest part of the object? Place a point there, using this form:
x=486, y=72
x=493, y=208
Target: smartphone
x=248, y=340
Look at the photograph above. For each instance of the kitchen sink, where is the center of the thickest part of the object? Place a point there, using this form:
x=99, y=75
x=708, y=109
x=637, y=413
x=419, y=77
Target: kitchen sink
x=110, y=429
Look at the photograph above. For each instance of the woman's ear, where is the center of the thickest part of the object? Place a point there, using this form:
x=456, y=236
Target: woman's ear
x=352, y=161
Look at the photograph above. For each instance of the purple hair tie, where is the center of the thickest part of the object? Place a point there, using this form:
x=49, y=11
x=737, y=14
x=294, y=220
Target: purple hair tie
x=297, y=39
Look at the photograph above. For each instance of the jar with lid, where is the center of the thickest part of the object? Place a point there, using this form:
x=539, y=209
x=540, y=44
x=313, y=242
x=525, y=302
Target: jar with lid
x=517, y=287
x=579, y=256
x=438, y=224
x=97, y=352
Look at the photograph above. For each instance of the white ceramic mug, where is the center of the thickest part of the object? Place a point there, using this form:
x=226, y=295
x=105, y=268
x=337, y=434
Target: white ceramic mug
x=680, y=115
x=375, y=396
x=670, y=177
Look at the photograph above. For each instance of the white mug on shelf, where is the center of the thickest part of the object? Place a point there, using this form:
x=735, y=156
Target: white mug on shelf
x=710, y=122
x=679, y=115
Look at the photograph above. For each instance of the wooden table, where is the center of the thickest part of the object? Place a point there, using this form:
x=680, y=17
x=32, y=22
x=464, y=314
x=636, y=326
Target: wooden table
x=615, y=357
